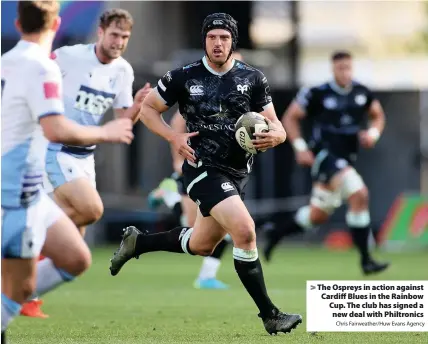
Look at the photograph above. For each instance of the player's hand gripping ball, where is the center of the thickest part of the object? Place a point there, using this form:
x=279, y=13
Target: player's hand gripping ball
x=248, y=124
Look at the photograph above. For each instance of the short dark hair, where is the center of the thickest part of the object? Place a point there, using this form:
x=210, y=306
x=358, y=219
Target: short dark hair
x=122, y=18
x=37, y=16
x=340, y=55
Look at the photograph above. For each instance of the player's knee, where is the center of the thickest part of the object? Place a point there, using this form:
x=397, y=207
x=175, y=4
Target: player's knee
x=323, y=204
x=203, y=251
x=78, y=262
x=92, y=211
x=245, y=233
x=359, y=200
x=318, y=216
x=203, y=248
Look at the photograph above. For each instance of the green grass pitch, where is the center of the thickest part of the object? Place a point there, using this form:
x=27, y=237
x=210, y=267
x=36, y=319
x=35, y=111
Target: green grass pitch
x=152, y=301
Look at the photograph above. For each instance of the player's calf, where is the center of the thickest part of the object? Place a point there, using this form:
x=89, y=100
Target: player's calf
x=233, y=216
x=358, y=218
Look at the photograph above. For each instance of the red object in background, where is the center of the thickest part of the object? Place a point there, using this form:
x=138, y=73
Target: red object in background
x=41, y=257
x=338, y=240
x=419, y=221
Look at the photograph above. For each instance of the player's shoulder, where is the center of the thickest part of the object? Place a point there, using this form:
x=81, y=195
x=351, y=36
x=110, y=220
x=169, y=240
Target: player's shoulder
x=358, y=86
x=42, y=65
x=321, y=88
x=124, y=65
x=190, y=67
x=182, y=73
x=311, y=90
x=243, y=66
x=77, y=50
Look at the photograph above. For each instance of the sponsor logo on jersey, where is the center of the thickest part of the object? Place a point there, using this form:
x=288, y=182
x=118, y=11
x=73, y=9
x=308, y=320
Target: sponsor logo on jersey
x=217, y=127
x=227, y=186
x=194, y=64
x=196, y=90
x=93, y=101
x=345, y=119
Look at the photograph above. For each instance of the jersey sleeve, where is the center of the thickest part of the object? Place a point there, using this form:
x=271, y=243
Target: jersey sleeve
x=307, y=99
x=45, y=93
x=370, y=98
x=124, y=99
x=168, y=87
x=261, y=96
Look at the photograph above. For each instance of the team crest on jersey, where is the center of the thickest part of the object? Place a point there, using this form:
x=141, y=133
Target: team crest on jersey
x=168, y=76
x=242, y=88
x=92, y=101
x=360, y=99
x=330, y=103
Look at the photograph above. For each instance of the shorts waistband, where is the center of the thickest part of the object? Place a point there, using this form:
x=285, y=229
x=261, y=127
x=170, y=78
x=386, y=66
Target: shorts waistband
x=83, y=151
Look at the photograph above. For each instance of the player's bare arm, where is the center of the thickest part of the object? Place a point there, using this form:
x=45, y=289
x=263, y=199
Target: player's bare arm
x=151, y=115
x=276, y=134
x=178, y=124
x=368, y=138
x=291, y=121
x=60, y=129
x=134, y=111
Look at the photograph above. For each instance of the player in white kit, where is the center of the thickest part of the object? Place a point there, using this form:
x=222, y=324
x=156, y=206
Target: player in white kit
x=31, y=113
x=96, y=78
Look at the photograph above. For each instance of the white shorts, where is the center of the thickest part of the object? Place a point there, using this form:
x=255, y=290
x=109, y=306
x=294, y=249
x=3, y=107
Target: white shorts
x=23, y=231
x=62, y=168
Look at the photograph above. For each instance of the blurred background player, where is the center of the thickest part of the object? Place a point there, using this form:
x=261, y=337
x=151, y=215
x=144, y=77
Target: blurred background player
x=31, y=113
x=338, y=110
x=96, y=78
x=216, y=169
x=172, y=192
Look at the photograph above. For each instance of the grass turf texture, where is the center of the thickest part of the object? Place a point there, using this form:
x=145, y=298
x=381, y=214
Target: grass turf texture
x=152, y=301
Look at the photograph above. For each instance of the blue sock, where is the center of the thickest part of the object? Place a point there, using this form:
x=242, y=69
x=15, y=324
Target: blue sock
x=9, y=310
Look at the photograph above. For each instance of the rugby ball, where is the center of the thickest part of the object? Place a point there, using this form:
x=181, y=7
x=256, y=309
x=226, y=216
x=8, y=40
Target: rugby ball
x=247, y=125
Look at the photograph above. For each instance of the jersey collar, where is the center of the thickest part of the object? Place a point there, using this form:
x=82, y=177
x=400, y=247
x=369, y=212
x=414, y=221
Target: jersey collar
x=212, y=71
x=338, y=89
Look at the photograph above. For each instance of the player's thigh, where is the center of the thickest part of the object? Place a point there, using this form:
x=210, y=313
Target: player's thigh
x=207, y=233
x=190, y=210
x=74, y=182
x=81, y=196
x=24, y=228
x=23, y=235
x=208, y=186
x=66, y=247
x=233, y=216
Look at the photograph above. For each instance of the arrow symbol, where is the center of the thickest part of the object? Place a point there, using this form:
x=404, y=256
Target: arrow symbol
x=312, y=287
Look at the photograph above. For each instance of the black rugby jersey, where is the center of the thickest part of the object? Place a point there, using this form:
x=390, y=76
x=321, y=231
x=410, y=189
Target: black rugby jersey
x=211, y=103
x=337, y=116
